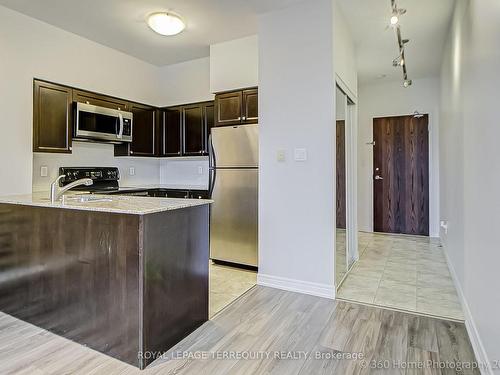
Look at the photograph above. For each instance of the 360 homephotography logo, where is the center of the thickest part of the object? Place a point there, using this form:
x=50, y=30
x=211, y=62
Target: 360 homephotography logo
x=248, y=355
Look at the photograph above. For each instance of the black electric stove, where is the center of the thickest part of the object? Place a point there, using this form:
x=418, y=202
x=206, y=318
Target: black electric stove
x=106, y=181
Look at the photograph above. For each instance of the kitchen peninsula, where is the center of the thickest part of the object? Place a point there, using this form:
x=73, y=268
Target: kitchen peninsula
x=123, y=275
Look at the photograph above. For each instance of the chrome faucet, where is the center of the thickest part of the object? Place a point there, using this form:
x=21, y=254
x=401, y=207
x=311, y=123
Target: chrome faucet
x=56, y=192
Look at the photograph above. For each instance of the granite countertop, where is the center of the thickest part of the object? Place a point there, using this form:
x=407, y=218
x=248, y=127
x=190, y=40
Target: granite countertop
x=105, y=203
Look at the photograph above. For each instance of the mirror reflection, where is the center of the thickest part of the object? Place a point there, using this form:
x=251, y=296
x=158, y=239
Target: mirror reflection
x=341, y=184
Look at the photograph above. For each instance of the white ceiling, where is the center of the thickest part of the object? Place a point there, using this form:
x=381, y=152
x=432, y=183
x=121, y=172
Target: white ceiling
x=425, y=24
x=121, y=24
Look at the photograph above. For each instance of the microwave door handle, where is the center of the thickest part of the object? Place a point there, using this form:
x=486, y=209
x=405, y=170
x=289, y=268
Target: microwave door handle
x=120, y=132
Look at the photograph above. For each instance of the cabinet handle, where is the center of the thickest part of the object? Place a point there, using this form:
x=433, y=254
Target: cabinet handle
x=178, y=153
x=244, y=118
x=131, y=152
x=239, y=118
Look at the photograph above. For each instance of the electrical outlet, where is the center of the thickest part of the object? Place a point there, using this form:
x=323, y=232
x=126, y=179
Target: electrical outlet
x=131, y=171
x=44, y=171
x=200, y=169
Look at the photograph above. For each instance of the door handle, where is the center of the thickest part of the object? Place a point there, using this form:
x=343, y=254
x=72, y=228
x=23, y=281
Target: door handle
x=377, y=177
x=120, y=132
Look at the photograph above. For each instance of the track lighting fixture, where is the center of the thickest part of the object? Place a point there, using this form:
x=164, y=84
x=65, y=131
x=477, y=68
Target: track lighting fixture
x=400, y=61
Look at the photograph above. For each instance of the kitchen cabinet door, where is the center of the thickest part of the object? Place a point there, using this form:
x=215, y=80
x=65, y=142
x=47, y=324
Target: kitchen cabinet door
x=250, y=106
x=172, y=132
x=193, y=130
x=52, y=117
x=228, y=108
x=209, y=116
x=143, y=131
x=100, y=100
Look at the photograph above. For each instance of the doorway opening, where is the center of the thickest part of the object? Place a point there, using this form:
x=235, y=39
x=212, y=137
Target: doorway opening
x=400, y=266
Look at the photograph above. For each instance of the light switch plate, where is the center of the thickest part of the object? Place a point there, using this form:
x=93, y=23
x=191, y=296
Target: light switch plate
x=131, y=171
x=300, y=154
x=281, y=155
x=44, y=171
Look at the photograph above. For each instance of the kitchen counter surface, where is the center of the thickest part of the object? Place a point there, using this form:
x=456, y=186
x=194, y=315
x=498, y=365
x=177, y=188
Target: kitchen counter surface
x=105, y=203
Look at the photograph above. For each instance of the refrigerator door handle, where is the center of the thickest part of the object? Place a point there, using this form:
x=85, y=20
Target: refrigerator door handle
x=211, y=153
x=212, y=175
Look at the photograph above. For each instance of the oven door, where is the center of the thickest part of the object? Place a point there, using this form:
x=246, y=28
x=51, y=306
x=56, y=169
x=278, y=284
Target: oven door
x=93, y=122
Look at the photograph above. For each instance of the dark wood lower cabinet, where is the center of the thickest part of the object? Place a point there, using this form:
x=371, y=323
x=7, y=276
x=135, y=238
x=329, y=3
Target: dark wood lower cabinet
x=125, y=285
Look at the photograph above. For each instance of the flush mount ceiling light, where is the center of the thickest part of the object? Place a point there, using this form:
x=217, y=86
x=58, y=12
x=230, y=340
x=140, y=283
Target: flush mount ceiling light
x=166, y=23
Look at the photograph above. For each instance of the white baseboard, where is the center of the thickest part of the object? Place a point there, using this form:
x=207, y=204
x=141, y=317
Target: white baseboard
x=477, y=344
x=299, y=286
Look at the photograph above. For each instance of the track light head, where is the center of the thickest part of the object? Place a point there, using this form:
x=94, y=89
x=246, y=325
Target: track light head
x=395, y=16
x=398, y=61
x=407, y=83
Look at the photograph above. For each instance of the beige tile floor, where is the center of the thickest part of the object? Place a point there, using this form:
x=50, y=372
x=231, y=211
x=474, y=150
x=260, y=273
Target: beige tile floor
x=227, y=284
x=403, y=272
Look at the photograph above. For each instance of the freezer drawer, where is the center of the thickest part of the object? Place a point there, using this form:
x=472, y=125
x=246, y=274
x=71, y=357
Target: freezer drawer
x=233, y=222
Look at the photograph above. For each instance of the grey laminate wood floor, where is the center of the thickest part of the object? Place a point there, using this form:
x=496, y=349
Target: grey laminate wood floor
x=293, y=329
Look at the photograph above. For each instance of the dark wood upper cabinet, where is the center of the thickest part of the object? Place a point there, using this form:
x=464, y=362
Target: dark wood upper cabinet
x=236, y=107
x=209, y=112
x=100, y=100
x=172, y=132
x=175, y=131
x=250, y=106
x=228, y=108
x=143, y=130
x=144, y=133
x=193, y=130
x=52, y=117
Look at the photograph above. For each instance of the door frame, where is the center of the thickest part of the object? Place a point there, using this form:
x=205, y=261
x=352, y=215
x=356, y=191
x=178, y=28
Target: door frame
x=433, y=169
x=351, y=145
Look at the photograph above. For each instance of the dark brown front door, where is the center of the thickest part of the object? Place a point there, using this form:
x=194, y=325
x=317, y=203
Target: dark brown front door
x=401, y=175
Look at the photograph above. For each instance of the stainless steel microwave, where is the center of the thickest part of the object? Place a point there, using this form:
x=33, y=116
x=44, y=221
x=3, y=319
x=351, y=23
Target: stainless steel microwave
x=104, y=124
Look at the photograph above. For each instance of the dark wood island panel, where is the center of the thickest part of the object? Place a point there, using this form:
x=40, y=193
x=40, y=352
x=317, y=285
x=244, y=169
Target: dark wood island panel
x=122, y=284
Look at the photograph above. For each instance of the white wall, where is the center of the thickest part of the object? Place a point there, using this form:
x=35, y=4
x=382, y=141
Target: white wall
x=392, y=99
x=31, y=48
x=470, y=182
x=186, y=82
x=344, y=53
x=296, y=110
x=234, y=64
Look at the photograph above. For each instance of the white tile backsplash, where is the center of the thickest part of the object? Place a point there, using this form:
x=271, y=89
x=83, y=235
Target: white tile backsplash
x=175, y=172
x=85, y=154
x=184, y=171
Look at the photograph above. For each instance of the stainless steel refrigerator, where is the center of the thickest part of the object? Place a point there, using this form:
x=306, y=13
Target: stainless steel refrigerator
x=234, y=174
